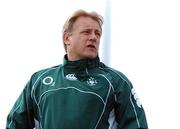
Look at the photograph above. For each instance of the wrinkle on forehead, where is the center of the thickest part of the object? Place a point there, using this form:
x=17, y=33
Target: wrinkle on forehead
x=86, y=23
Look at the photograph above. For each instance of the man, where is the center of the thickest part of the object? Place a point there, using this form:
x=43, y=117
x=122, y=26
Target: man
x=82, y=93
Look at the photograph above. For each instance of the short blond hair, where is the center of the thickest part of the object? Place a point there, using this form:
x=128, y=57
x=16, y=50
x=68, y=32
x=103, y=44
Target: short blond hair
x=68, y=25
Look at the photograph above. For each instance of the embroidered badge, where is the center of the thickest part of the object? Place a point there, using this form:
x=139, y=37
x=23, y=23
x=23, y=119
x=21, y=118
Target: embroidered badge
x=91, y=81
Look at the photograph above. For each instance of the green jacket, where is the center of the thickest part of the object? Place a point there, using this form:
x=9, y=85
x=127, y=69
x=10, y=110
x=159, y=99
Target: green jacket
x=82, y=94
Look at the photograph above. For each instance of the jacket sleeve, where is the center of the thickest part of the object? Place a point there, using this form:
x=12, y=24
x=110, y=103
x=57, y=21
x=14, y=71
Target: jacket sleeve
x=128, y=109
x=21, y=115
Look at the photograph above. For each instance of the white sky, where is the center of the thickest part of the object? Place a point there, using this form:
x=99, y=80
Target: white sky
x=145, y=38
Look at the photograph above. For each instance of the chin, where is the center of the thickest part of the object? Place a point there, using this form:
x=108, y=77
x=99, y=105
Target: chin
x=91, y=56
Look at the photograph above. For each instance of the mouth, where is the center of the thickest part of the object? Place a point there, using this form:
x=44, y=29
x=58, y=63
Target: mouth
x=91, y=46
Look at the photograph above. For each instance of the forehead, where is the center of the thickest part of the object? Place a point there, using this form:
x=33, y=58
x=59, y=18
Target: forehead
x=84, y=22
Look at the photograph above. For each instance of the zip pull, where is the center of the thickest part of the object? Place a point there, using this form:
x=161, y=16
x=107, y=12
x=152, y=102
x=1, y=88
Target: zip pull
x=87, y=71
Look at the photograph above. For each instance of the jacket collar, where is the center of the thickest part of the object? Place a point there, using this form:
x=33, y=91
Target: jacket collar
x=80, y=66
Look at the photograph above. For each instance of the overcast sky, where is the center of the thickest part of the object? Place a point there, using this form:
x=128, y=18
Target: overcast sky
x=143, y=43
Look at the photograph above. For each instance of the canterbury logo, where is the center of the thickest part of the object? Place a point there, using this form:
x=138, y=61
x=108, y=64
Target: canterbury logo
x=71, y=77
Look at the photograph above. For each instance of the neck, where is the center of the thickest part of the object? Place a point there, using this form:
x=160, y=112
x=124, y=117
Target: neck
x=71, y=58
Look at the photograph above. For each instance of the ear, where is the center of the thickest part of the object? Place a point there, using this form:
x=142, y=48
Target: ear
x=66, y=38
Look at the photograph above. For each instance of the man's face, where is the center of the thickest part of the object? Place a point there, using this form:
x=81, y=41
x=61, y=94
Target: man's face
x=83, y=41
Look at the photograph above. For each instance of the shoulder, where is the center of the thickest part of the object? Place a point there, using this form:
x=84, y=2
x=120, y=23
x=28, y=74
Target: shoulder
x=116, y=74
x=45, y=72
x=44, y=76
x=119, y=79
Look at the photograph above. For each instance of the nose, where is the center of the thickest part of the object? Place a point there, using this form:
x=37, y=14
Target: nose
x=93, y=36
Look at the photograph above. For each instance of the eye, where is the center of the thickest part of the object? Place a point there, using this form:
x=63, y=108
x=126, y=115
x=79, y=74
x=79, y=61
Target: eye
x=98, y=34
x=86, y=32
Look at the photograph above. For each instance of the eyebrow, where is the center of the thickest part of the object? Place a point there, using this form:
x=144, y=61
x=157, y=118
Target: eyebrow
x=87, y=28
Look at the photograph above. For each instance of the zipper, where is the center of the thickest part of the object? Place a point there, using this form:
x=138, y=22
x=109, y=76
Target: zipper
x=87, y=71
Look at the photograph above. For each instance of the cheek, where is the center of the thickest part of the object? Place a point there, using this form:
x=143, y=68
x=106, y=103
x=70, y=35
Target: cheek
x=98, y=43
x=79, y=47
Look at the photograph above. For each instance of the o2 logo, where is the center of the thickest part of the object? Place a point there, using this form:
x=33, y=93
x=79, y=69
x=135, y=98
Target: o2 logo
x=48, y=81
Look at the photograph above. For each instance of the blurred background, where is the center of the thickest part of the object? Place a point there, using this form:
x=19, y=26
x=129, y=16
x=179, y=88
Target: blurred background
x=141, y=39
